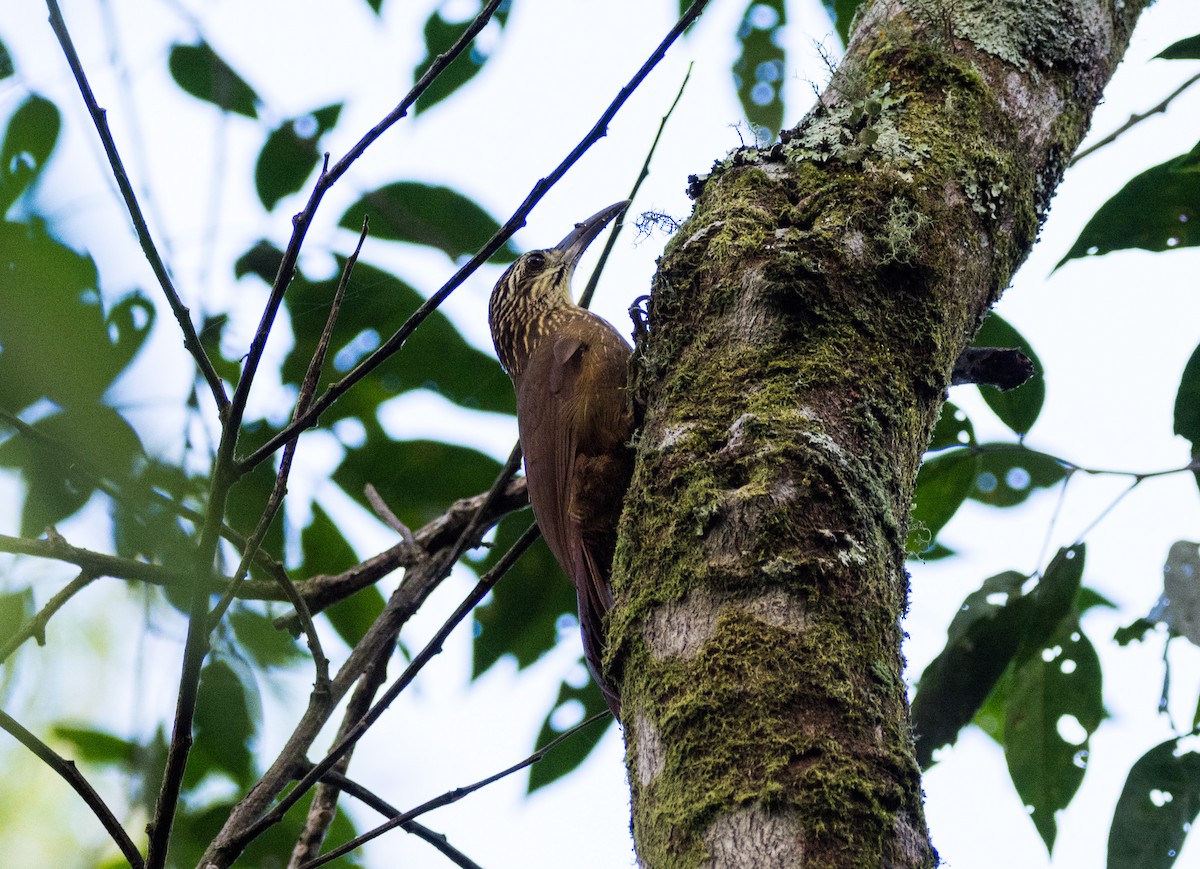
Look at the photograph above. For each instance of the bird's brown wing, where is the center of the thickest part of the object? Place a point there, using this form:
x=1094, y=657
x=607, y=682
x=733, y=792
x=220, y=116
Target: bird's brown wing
x=571, y=479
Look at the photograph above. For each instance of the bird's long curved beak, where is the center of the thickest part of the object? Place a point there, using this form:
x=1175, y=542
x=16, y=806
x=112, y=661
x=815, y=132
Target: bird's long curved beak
x=578, y=239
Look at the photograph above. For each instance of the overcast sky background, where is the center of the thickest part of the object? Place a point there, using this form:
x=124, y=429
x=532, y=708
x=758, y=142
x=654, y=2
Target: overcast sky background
x=1113, y=334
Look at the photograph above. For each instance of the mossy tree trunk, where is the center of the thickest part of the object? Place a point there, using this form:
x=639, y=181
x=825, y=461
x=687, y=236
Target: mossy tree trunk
x=803, y=326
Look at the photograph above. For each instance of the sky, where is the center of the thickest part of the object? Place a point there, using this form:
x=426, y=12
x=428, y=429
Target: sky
x=1113, y=334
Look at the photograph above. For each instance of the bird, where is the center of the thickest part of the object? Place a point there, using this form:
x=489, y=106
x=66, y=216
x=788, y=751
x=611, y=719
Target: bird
x=569, y=369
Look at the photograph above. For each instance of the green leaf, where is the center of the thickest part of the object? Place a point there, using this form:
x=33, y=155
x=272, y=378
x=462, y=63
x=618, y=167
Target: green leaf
x=30, y=137
x=375, y=5
x=953, y=429
x=842, y=13
x=227, y=715
x=77, y=446
x=248, y=498
x=1017, y=408
x=202, y=73
x=326, y=551
x=1157, y=808
x=427, y=214
x=290, y=154
x=943, y=483
x=521, y=616
x=1187, y=402
x=1009, y=474
x=440, y=35
x=7, y=67
x=435, y=357
x=760, y=70
x=56, y=341
x=1054, y=706
x=16, y=608
x=981, y=641
x=96, y=746
x=1184, y=49
x=1157, y=210
x=1054, y=598
x=573, y=705
x=266, y=644
x=417, y=479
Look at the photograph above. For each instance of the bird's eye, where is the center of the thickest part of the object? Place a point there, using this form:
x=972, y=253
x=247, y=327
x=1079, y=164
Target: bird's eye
x=536, y=260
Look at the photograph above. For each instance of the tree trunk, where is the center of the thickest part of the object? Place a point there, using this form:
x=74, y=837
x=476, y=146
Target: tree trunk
x=803, y=326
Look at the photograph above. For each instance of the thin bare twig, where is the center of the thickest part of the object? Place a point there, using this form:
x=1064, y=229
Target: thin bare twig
x=75, y=779
x=540, y=189
x=437, y=840
x=585, y=299
x=432, y=648
x=36, y=626
x=1134, y=120
x=451, y=796
x=302, y=221
x=182, y=315
x=386, y=516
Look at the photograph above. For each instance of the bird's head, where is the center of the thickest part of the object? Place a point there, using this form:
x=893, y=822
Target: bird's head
x=536, y=284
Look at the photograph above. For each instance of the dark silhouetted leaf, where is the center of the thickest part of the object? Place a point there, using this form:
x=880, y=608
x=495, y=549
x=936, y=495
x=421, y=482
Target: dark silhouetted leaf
x=1157, y=210
x=953, y=429
x=760, y=71
x=290, y=154
x=375, y=5
x=981, y=641
x=1184, y=49
x=575, y=705
x=440, y=35
x=1054, y=706
x=30, y=137
x=427, y=214
x=842, y=12
x=203, y=74
x=1187, y=402
x=1009, y=474
x=1054, y=598
x=943, y=483
x=1157, y=808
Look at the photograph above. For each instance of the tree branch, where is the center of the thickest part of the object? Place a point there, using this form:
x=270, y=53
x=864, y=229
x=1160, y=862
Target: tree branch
x=75, y=779
x=1134, y=120
x=540, y=189
x=182, y=315
x=36, y=626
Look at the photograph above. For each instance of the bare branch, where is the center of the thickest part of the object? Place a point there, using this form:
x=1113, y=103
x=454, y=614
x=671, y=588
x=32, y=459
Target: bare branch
x=585, y=299
x=540, y=189
x=1134, y=120
x=386, y=516
x=452, y=796
x=36, y=626
x=75, y=779
x=182, y=315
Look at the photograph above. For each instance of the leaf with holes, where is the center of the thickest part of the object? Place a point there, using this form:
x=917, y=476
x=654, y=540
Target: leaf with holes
x=290, y=154
x=440, y=34
x=1054, y=706
x=1157, y=210
x=760, y=70
x=841, y=13
x=1010, y=473
x=980, y=643
x=30, y=138
x=1157, y=808
x=953, y=429
x=580, y=704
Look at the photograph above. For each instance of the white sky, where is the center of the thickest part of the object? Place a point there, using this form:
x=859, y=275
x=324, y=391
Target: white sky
x=1113, y=334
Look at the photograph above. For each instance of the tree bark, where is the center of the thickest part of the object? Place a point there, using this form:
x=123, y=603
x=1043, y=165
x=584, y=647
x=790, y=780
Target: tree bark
x=803, y=326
